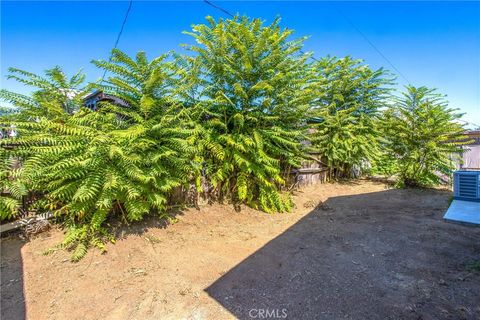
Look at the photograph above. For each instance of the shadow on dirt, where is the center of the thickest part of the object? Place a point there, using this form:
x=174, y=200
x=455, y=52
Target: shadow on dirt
x=11, y=270
x=13, y=304
x=369, y=256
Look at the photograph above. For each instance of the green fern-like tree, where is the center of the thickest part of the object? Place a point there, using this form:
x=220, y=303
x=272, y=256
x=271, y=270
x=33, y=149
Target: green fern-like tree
x=11, y=189
x=119, y=160
x=344, y=119
x=55, y=97
x=251, y=91
x=423, y=137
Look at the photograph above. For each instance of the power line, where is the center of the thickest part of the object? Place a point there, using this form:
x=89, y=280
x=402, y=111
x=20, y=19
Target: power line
x=232, y=15
x=376, y=49
x=219, y=8
x=311, y=57
x=119, y=34
x=364, y=36
x=350, y=22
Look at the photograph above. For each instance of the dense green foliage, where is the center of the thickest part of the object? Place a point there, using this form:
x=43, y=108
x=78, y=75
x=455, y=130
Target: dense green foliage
x=423, y=137
x=232, y=117
x=350, y=95
x=117, y=160
x=55, y=97
x=9, y=203
x=253, y=93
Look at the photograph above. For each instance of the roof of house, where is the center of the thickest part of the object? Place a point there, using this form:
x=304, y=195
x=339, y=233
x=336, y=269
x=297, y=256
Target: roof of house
x=105, y=96
x=473, y=132
x=475, y=135
x=93, y=94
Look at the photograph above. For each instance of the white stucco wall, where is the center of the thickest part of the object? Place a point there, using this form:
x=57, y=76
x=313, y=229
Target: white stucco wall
x=471, y=157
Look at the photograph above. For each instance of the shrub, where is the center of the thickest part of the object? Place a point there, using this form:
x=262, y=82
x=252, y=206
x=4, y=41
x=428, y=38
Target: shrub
x=422, y=137
x=252, y=91
x=344, y=119
x=56, y=97
x=11, y=189
x=123, y=160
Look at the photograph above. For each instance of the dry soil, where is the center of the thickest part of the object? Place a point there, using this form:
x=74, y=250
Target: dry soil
x=348, y=251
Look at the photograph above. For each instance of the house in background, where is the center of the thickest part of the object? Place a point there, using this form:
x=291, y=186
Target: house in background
x=471, y=153
x=465, y=207
x=91, y=101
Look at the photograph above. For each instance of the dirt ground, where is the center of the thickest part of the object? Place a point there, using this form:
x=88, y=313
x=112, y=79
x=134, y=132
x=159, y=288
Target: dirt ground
x=348, y=251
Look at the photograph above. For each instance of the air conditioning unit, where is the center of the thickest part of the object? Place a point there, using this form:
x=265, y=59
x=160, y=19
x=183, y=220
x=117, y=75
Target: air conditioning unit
x=466, y=185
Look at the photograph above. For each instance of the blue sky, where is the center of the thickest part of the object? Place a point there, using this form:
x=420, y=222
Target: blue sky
x=436, y=44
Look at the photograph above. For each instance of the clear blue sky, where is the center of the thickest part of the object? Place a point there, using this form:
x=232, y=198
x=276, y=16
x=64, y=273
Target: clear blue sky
x=436, y=44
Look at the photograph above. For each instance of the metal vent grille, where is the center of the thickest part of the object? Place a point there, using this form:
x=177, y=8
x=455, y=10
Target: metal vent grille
x=467, y=185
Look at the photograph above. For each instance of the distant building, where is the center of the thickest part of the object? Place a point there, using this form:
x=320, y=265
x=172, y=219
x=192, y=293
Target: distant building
x=91, y=101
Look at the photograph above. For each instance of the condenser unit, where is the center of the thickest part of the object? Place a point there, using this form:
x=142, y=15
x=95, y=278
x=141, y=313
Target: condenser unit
x=466, y=185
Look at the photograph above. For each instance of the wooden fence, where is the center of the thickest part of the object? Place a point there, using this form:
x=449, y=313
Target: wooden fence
x=312, y=171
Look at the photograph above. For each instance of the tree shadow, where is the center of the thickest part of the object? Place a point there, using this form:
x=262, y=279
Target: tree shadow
x=11, y=265
x=369, y=256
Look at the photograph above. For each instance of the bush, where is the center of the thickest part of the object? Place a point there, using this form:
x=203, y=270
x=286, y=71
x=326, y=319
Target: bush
x=422, y=137
x=11, y=188
x=253, y=90
x=119, y=160
x=345, y=117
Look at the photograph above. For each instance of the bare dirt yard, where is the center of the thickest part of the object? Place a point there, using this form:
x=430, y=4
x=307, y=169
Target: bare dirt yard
x=348, y=251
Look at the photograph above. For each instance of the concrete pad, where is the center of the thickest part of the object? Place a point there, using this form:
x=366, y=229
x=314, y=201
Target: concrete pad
x=464, y=211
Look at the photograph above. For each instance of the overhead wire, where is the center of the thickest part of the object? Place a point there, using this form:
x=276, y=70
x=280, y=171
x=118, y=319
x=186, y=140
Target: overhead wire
x=232, y=15
x=349, y=21
x=364, y=36
x=119, y=35
x=376, y=49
